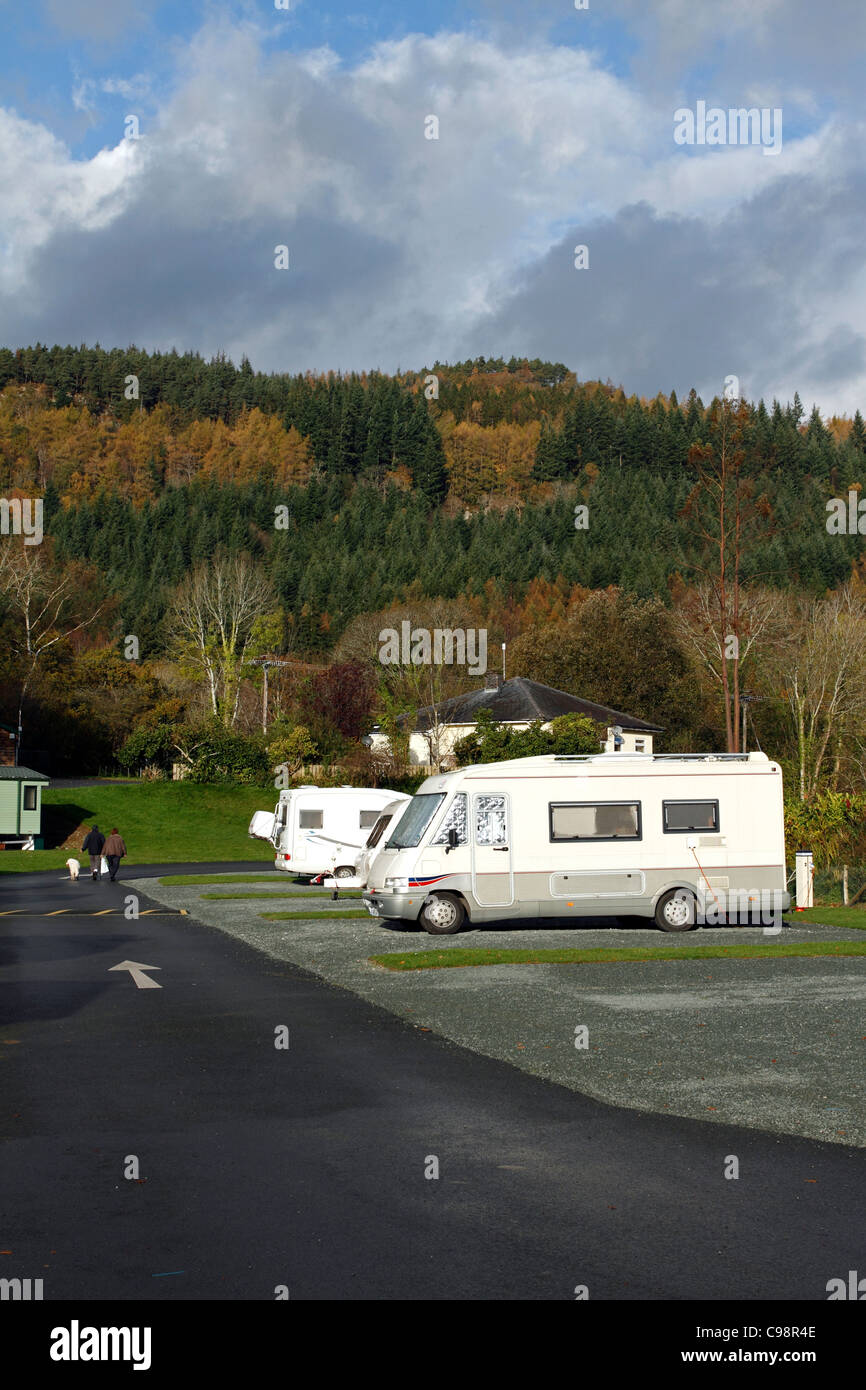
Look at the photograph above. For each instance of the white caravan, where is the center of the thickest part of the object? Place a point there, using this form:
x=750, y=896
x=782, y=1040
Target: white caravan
x=676, y=838
x=377, y=837
x=317, y=830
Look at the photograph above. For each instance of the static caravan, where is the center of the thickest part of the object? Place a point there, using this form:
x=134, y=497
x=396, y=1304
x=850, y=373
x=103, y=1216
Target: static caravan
x=317, y=830
x=21, y=807
x=676, y=838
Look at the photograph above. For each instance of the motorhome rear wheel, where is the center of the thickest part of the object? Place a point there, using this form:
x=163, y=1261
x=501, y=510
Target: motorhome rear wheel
x=442, y=914
x=676, y=910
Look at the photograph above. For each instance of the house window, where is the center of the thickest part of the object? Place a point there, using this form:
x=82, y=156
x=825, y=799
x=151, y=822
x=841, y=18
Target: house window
x=29, y=803
x=640, y=745
x=310, y=820
x=367, y=820
x=595, y=820
x=690, y=815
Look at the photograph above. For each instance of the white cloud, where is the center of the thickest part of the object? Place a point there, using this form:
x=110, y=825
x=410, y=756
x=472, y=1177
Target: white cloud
x=404, y=249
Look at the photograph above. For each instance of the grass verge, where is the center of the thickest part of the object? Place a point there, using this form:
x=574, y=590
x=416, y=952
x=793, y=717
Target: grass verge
x=467, y=956
x=246, y=897
x=830, y=917
x=214, y=880
x=308, y=916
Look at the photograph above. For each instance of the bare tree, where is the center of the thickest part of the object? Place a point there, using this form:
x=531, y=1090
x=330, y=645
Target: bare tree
x=211, y=621
x=823, y=678
x=45, y=607
x=408, y=685
x=762, y=618
x=728, y=522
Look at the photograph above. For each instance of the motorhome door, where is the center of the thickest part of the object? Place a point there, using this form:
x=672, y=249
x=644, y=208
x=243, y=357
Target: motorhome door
x=492, y=860
x=280, y=821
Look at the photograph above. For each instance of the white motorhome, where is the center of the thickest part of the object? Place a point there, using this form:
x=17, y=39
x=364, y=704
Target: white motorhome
x=676, y=838
x=317, y=830
x=377, y=837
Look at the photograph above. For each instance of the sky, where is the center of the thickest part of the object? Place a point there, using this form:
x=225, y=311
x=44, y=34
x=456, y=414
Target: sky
x=153, y=157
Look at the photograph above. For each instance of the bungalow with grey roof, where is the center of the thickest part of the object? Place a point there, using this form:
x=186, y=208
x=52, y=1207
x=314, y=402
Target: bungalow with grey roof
x=516, y=703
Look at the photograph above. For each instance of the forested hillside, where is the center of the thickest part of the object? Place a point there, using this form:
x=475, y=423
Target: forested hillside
x=653, y=556
x=386, y=489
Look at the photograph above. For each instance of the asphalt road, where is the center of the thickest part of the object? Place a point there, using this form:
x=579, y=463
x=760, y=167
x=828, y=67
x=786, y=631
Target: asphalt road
x=305, y=1167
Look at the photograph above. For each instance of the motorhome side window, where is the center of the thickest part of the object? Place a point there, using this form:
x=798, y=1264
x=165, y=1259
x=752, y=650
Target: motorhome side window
x=595, y=820
x=690, y=815
x=310, y=820
x=377, y=832
x=489, y=820
x=367, y=819
x=454, y=820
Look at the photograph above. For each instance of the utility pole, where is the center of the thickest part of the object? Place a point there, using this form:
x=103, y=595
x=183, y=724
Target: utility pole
x=266, y=662
x=745, y=700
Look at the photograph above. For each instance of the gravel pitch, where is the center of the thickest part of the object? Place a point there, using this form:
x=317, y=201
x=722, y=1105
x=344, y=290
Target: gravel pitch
x=772, y=1044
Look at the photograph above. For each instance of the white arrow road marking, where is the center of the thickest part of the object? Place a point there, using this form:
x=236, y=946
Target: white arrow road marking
x=135, y=968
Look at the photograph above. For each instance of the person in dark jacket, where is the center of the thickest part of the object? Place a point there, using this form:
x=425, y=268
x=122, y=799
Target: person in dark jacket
x=93, y=846
x=114, y=851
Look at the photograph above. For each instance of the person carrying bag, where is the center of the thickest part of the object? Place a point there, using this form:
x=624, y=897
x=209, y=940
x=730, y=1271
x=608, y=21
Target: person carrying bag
x=93, y=846
x=114, y=851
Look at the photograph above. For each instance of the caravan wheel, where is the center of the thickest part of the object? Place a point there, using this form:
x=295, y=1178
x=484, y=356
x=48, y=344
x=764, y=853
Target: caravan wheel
x=442, y=914
x=675, y=911
x=344, y=871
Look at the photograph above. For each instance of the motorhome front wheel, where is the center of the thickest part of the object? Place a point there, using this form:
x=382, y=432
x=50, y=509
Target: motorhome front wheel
x=442, y=915
x=675, y=911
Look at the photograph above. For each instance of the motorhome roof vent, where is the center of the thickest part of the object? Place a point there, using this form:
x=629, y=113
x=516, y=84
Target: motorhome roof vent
x=706, y=757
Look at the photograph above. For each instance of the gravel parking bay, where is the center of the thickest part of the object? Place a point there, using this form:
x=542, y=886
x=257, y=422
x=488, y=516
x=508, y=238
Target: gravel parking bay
x=774, y=1044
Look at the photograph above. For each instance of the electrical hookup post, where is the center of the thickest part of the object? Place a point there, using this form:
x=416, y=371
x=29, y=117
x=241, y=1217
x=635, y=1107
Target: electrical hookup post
x=805, y=879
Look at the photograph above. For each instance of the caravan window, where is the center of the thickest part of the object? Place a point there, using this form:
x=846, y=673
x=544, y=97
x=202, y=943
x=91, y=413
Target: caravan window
x=595, y=820
x=29, y=803
x=310, y=820
x=367, y=819
x=690, y=815
x=455, y=820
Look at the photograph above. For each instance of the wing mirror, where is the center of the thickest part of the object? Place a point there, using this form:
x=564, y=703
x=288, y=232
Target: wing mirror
x=453, y=841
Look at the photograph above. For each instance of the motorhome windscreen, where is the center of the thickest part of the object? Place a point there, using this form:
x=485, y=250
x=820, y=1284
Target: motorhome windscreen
x=414, y=820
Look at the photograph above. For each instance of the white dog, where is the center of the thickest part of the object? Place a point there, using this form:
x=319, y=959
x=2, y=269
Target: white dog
x=74, y=868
